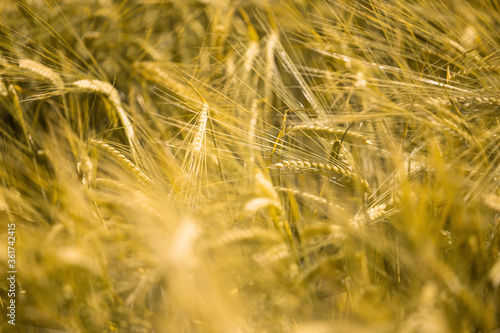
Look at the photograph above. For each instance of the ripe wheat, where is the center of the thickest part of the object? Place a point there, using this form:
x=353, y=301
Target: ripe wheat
x=43, y=71
x=113, y=96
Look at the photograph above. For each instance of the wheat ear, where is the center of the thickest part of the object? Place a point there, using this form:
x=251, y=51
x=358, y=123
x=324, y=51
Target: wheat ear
x=330, y=133
x=3, y=89
x=202, y=128
x=463, y=72
x=372, y=213
x=319, y=167
x=203, y=117
x=155, y=73
x=43, y=71
x=309, y=196
x=274, y=254
x=272, y=41
x=138, y=197
x=19, y=111
x=111, y=93
x=247, y=234
x=121, y=158
x=463, y=101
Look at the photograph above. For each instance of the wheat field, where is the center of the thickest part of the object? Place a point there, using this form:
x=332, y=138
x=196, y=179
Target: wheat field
x=305, y=166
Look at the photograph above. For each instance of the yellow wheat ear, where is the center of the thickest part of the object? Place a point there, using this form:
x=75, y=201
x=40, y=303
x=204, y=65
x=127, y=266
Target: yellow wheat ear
x=202, y=121
x=194, y=160
x=43, y=71
x=106, y=89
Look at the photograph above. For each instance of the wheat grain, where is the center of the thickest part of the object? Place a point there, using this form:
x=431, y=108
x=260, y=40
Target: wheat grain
x=43, y=71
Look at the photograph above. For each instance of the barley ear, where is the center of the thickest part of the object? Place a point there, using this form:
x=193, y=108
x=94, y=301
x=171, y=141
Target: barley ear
x=121, y=159
x=111, y=93
x=43, y=71
x=203, y=117
x=3, y=89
